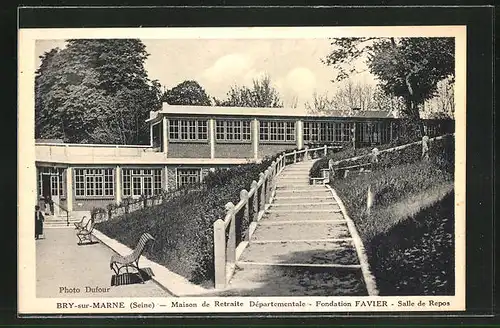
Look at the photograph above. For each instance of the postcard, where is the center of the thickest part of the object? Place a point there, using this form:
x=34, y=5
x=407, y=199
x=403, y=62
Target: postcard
x=241, y=170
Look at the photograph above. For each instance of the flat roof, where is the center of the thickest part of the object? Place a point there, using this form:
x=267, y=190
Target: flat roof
x=260, y=112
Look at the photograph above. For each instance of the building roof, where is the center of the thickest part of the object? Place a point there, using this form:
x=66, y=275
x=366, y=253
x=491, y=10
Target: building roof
x=260, y=111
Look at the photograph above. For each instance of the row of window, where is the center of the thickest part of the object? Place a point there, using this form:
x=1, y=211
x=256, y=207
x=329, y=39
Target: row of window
x=327, y=131
x=93, y=182
x=231, y=130
x=281, y=131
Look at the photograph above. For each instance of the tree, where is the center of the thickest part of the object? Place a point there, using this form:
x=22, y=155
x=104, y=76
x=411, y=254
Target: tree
x=405, y=67
x=95, y=91
x=262, y=94
x=348, y=96
x=187, y=93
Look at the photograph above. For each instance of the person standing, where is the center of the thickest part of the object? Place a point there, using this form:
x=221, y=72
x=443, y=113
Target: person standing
x=38, y=222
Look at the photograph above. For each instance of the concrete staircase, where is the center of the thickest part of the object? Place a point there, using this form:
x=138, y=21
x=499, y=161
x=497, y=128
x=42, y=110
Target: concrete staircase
x=301, y=246
x=59, y=221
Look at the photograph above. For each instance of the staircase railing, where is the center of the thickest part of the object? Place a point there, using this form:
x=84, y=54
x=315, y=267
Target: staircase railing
x=65, y=210
x=232, y=234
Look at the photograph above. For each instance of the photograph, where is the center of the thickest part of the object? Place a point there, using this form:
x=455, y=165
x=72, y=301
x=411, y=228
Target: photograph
x=263, y=169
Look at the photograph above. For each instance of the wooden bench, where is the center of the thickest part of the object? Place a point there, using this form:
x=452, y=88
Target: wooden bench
x=85, y=233
x=118, y=262
x=360, y=168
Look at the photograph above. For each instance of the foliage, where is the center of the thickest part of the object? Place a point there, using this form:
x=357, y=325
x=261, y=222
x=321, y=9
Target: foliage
x=187, y=93
x=261, y=94
x=422, y=244
x=405, y=67
x=95, y=91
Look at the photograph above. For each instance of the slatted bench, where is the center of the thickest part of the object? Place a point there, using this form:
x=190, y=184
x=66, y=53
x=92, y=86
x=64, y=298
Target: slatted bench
x=118, y=262
x=85, y=233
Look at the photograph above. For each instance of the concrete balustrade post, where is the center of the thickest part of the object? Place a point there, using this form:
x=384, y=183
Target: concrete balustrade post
x=220, y=254
x=231, y=242
x=255, y=201
x=369, y=199
x=425, y=148
x=246, y=211
x=262, y=177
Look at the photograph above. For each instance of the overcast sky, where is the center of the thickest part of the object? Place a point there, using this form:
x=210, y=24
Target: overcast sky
x=294, y=65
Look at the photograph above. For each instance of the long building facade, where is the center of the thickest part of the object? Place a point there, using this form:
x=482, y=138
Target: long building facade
x=186, y=142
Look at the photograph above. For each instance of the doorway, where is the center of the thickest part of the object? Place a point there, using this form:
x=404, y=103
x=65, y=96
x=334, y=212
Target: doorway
x=47, y=193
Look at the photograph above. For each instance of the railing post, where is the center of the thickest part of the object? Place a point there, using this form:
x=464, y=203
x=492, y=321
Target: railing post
x=255, y=201
x=306, y=154
x=220, y=254
x=325, y=150
x=231, y=242
x=425, y=148
x=262, y=177
x=369, y=199
x=246, y=211
x=294, y=156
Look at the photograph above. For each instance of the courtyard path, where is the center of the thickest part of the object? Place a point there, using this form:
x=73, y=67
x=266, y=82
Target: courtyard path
x=61, y=263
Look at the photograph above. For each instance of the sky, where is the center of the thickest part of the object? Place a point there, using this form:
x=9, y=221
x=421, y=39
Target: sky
x=294, y=65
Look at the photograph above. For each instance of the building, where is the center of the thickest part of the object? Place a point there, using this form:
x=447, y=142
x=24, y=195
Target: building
x=188, y=141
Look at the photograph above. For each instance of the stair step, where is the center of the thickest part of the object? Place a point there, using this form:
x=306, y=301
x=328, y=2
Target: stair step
x=294, y=231
x=306, y=207
x=257, y=280
x=312, y=210
x=280, y=200
x=296, y=216
x=240, y=264
x=339, y=253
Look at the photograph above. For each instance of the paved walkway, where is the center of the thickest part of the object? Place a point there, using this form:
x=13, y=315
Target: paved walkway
x=62, y=266
x=303, y=245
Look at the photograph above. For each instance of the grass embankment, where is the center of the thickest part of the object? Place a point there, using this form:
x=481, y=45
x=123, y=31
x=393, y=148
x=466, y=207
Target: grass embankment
x=408, y=233
x=183, y=226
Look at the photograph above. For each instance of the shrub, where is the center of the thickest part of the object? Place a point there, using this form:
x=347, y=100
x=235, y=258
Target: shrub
x=416, y=256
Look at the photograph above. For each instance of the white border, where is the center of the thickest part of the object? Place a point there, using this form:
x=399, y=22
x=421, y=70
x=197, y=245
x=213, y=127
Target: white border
x=27, y=301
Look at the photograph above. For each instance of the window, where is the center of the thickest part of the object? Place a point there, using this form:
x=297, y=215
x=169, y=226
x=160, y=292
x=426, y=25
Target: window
x=56, y=180
x=326, y=132
x=188, y=129
x=232, y=130
x=188, y=177
x=281, y=131
x=138, y=182
x=94, y=182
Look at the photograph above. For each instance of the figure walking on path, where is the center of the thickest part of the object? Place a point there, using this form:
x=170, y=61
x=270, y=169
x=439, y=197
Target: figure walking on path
x=38, y=222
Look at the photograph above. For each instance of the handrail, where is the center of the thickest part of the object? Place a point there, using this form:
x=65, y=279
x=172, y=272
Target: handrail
x=65, y=210
x=56, y=144
x=259, y=196
x=390, y=149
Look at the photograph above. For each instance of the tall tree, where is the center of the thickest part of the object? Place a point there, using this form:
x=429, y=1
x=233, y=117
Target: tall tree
x=405, y=67
x=95, y=91
x=187, y=93
x=261, y=94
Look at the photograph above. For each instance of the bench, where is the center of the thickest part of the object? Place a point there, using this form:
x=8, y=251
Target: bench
x=361, y=168
x=118, y=262
x=81, y=224
x=85, y=233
